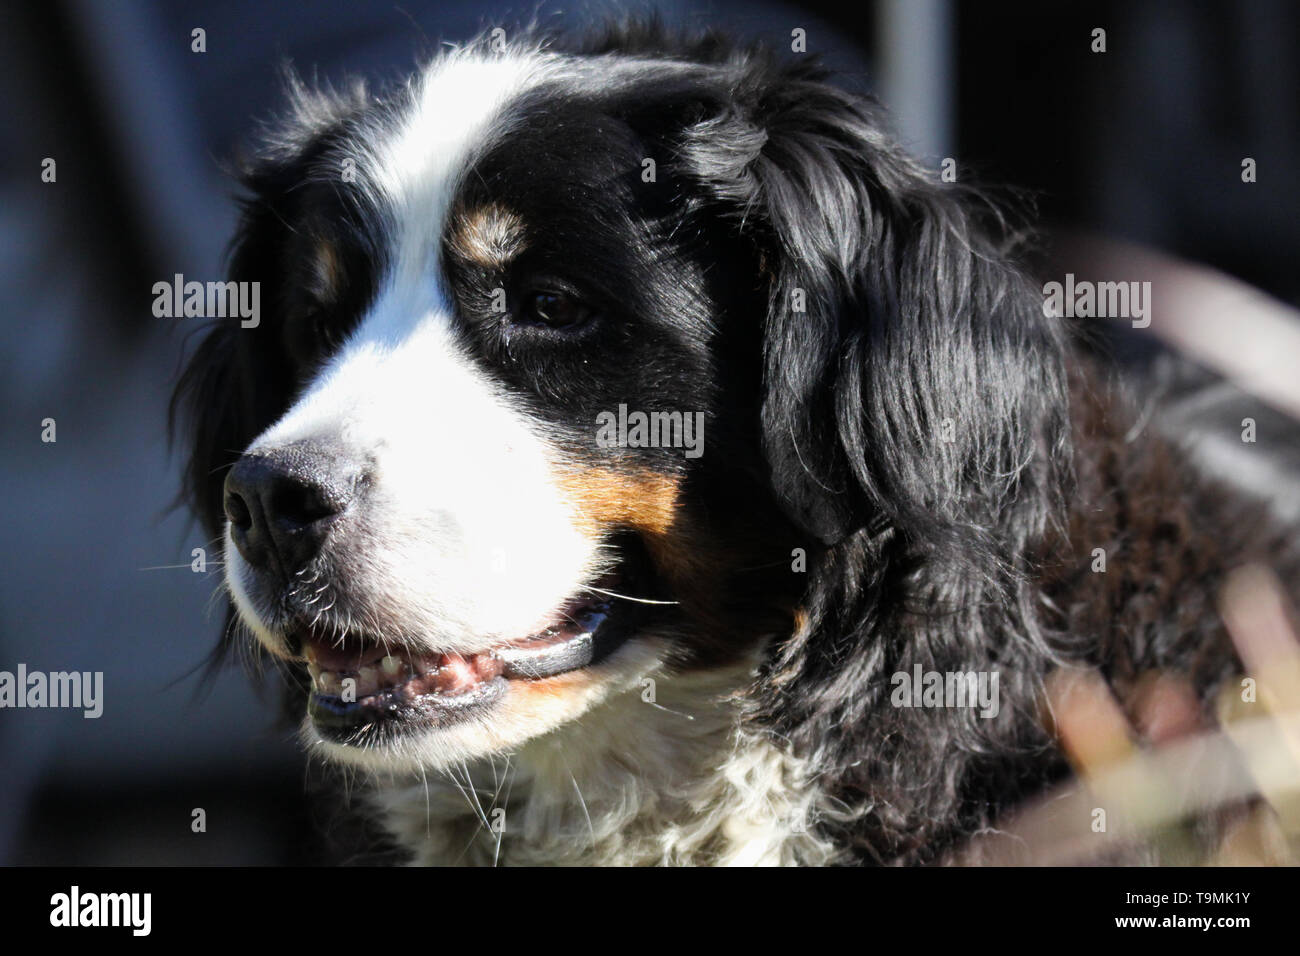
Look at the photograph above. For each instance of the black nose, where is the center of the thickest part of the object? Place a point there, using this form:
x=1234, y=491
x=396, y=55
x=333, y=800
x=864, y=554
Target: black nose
x=282, y=503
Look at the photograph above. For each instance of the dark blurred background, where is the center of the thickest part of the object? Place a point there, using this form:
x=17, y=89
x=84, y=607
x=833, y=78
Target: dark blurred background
x=1142, y=143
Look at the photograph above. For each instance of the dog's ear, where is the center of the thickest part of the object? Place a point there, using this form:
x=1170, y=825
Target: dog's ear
x=236, y=380
x=914, y=420
x=911, y=379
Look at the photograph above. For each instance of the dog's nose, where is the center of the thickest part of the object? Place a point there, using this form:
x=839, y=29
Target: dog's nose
x=282, y=502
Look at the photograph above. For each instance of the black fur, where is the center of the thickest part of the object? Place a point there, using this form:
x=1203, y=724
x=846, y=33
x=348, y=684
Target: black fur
x=914, y=422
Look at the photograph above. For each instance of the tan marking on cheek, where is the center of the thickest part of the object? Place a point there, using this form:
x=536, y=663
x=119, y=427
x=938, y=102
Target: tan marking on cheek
x=645, y=502
x=329, y=270
x=686, y=555
x=490, y=236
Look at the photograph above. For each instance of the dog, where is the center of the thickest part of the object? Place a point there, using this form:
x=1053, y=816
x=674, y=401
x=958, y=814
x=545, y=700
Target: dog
x=628, y=421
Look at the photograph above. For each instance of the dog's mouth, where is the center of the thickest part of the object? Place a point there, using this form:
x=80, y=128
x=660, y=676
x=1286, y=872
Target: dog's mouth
x=363, y=690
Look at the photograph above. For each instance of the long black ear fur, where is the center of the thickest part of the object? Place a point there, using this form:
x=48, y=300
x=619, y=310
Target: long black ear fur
x=915, y=425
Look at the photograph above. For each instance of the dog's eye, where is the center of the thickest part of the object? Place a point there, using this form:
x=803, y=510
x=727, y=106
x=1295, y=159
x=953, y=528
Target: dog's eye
x=554, y=309
x=309, y=335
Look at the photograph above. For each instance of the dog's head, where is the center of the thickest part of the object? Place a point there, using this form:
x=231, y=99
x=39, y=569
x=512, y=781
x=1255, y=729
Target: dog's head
x=574, y=368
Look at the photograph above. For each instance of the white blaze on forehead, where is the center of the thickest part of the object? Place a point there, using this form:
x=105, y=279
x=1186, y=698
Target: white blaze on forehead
x=413, y=170
x=454, y=102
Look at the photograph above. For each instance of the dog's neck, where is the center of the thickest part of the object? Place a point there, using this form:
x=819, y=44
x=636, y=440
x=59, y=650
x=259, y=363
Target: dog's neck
x=675, y=780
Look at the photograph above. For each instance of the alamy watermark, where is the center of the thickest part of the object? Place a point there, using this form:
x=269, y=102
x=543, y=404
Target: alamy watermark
x=78, y=690
x=651, y=430
x=208, y=300
x=75, y=908
x=947, y=689
x=1102, y=300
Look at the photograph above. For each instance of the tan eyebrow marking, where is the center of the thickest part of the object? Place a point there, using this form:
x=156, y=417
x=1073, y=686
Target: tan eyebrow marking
x=329, y=270
x=489, y=236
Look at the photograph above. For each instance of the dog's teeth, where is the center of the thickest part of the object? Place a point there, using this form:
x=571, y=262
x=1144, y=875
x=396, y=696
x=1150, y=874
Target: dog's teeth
x=424, y=666
x=314, y=670
x=392, y=666
x=309, y=652
x=329, y=682
x=367, y=681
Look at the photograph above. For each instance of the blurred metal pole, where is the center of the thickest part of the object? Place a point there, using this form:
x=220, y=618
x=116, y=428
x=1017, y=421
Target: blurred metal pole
x=917, y=72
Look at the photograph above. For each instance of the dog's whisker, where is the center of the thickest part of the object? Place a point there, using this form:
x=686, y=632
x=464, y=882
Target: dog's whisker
x=625, y=597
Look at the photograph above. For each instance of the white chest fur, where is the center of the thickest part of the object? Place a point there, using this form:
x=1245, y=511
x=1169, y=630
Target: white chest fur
x=633, y=782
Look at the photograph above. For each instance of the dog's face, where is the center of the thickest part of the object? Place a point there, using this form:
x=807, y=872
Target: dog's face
x=444, y=526
x=562, y=359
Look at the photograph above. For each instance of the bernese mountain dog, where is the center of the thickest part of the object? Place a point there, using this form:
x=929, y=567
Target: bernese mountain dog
x=630, y=422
